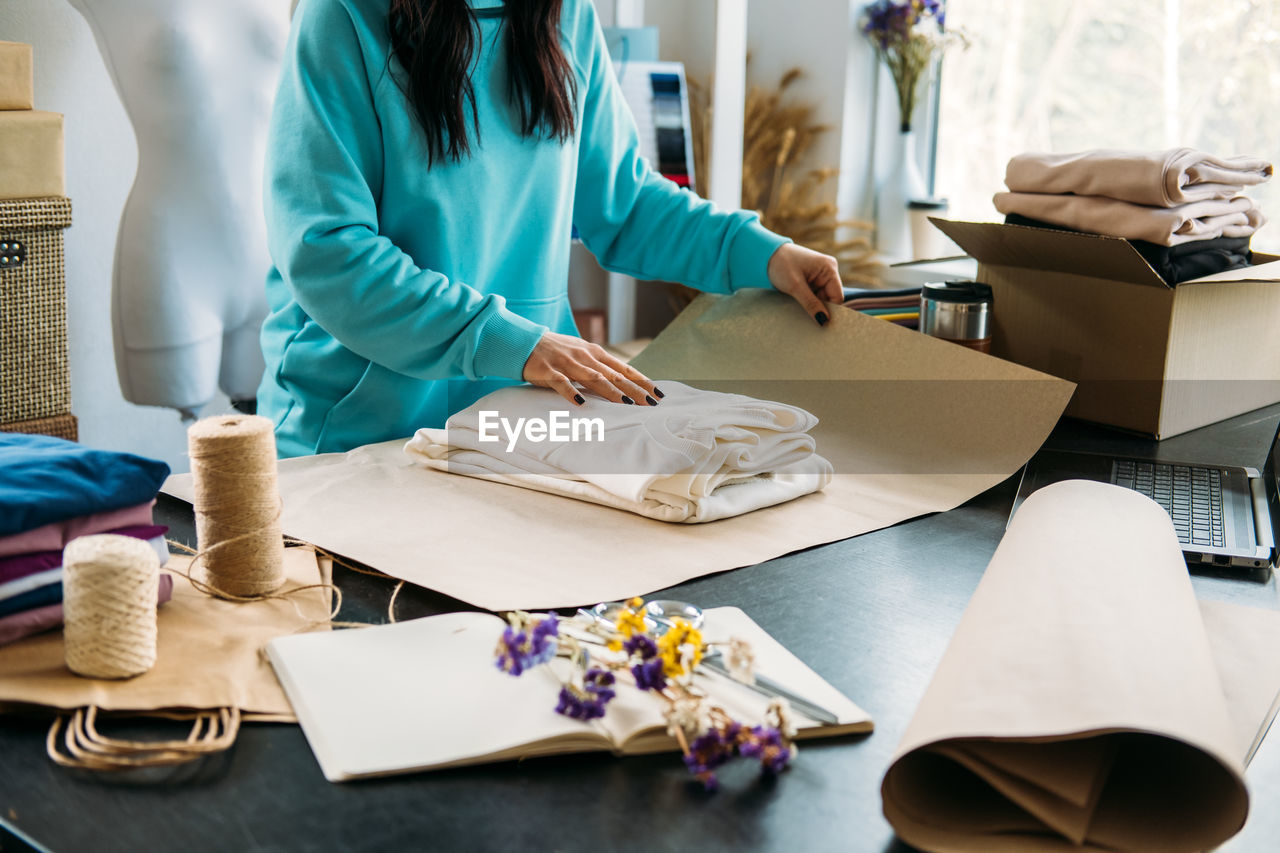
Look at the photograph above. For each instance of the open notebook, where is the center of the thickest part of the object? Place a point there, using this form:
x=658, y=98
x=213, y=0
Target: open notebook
x=425, y=694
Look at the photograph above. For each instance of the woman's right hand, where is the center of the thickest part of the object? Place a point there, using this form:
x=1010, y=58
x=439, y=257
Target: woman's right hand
x=560, y=361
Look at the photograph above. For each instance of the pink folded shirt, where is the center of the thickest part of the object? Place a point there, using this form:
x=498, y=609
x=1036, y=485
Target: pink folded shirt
x=1166, y=226
x=22, y=565
x=1154, y=178
x=52, y=537
x=28, y=572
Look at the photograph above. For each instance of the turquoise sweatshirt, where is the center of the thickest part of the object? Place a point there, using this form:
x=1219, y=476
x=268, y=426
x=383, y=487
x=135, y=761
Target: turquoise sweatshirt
x=401, y=293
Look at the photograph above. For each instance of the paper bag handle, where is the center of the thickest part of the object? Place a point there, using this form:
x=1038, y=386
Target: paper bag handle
x=82, y=746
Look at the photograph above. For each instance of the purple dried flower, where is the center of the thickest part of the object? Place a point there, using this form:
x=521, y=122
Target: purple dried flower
x=767, y=744
x=649, y=675
x=578, y=707
x=707, y=752
x=588, y=702
x=908, y=35
x=642, y=645
x=599, y=683
x=891, y=21
x=524, y=648
x=546, y=627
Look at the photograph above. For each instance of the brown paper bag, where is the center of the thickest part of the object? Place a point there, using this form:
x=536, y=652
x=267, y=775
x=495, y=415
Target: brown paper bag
x=208, y=662
x=1087, y=701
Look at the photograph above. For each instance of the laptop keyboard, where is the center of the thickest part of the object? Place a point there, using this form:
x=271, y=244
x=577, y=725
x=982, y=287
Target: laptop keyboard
x=1192, y=497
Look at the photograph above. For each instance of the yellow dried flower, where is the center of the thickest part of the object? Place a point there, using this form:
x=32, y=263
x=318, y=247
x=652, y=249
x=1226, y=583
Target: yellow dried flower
x=630, y=621
x=680, y=645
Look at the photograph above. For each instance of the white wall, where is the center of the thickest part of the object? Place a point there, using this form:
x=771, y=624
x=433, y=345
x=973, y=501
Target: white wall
x=818, y=36
x=101, y=158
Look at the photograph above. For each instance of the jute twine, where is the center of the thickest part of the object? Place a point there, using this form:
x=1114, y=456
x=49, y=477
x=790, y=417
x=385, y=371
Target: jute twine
x=74, y=740
x=237, y=506
x=110, y=585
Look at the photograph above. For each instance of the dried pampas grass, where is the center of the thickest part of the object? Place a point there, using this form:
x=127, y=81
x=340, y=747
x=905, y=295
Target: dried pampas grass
x=777, y=134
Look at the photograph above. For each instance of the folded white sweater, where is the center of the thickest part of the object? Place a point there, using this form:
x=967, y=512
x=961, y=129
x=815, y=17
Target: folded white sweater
x=696, y=456
x=1155, y=178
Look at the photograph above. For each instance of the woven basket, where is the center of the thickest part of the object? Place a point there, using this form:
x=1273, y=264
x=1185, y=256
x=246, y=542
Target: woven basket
x=34, y=379
x=58, y=426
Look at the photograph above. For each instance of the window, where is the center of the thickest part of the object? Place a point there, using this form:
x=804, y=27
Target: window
x=1066, y=75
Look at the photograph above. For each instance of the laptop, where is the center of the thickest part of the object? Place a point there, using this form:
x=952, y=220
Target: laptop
x=1225, y=516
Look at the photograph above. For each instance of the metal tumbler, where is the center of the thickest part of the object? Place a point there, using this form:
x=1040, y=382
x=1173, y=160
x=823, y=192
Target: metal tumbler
x=957, y=311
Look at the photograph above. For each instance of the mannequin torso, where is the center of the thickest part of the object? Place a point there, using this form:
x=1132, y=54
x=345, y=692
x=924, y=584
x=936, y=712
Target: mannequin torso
x=196, y=79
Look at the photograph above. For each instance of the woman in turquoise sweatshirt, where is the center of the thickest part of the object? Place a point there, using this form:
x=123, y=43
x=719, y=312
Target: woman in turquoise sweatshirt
x=426, y=162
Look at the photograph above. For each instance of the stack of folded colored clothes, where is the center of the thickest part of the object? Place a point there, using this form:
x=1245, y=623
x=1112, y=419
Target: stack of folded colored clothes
x=52, y=491
x=1182, y=209
x=900, y=306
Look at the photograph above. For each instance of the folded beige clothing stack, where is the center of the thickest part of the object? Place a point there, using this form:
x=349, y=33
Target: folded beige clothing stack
x=1165, y=226
x=16, y=76
x=1168, y=198
x=1153, y=178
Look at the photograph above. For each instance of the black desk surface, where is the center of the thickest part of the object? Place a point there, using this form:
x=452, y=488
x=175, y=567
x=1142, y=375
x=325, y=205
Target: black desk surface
x=872, y=614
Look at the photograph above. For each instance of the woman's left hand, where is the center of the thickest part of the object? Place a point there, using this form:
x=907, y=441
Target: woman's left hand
x=809, y=277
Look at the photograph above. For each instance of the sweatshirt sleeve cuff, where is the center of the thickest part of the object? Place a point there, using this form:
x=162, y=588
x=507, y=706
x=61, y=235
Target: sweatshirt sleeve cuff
x=505, y=344
x=749, y=256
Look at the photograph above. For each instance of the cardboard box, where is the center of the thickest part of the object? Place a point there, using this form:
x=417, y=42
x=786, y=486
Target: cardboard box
x=17, y=86
x=31, y=159
x=1148, y=357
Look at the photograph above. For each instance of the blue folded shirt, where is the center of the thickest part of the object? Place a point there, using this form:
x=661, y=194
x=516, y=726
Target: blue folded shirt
x=45, y=479
x=31, y=599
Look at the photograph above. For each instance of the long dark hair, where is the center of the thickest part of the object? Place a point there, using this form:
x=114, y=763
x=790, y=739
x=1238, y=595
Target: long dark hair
x=435, y=41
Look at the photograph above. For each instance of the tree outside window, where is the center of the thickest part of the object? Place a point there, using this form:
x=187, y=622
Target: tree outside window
x=1067, y=75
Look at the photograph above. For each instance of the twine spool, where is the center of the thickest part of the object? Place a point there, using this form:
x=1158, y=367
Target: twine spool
x=109, y=588
x=237, y=505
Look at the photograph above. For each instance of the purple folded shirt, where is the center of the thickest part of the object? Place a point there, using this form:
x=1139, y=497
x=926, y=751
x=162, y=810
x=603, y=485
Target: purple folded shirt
x=28, y=622
x=21, y=565
x=52, y=537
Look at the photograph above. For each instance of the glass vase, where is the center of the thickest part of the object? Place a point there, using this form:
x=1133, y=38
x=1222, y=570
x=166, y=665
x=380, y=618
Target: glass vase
x=900, y=185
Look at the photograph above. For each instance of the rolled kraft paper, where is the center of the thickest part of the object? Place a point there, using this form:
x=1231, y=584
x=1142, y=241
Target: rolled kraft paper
x=1079, y=705
x=110, y=586
x=237, y=505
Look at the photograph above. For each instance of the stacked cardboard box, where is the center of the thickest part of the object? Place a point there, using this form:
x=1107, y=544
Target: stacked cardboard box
x=1144, y=355
x=35, y=385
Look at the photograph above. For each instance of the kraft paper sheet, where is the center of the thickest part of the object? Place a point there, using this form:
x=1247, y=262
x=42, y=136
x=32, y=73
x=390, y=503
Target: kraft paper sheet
x=912, y=424
x=208, y=653
x=1086, y=701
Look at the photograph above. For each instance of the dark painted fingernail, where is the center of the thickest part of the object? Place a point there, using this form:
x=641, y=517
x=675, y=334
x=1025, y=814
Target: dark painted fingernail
x=628, y=401
x=578, y=398
x=821, y=317
x=659, y=393
x=650, y=400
